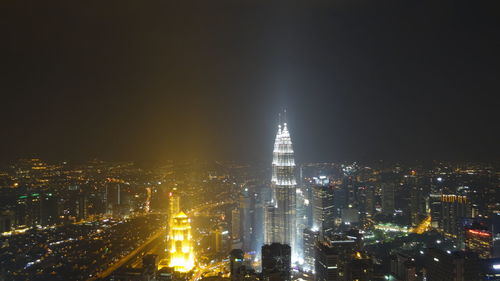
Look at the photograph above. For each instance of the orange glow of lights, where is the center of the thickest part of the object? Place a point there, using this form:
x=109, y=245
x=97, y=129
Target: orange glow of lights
x=480, y=233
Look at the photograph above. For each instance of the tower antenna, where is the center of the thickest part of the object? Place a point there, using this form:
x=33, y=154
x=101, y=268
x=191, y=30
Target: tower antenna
x=284, y=115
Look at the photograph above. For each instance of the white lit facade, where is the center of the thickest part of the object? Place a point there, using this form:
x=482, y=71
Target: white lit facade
x=281, y=221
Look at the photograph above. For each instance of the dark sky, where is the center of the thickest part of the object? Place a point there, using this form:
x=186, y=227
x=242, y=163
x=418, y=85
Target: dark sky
x=157, y=80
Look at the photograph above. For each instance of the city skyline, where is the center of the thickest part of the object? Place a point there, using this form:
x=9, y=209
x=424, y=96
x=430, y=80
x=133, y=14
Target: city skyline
x=264, y=140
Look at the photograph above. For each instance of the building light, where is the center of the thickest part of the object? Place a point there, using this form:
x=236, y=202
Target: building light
x=436, y=259
x=496, y=266
x=480, y=233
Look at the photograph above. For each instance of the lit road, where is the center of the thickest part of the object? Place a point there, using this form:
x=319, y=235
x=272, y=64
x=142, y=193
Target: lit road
x=212, y=269
x=423, y=226
x=128, y=257
x=195, y=211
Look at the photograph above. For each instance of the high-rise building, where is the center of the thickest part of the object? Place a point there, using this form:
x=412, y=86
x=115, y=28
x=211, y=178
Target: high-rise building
x=332, y=258
x=323, y=209
x=48, y=209
x=235, y=263
x=270, y=225
x=302, y=220
x=180, y=244
x=359, y=267
x=246, y=219
x=216, y=240
x=388, y=192
x=435, y=208
x=417, y=198
x=261, y=195
x=480, y=241
x=403, y=267
x=368, y=199
x=276, y=262
x=235, y=224
x=454, y=209
x=310, y=238
x=283, y=183
x=174, y=206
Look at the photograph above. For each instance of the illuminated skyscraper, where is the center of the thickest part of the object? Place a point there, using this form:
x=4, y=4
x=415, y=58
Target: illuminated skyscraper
x=323, y=210
x=284, y=229
x=181, y=250
x=173, y=207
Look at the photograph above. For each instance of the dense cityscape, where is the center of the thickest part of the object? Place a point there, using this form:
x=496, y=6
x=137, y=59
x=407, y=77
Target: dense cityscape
x=262, y=140
x=202, y=220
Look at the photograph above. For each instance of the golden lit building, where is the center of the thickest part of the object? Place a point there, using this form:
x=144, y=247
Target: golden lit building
x=173, y=207
x=180, y=243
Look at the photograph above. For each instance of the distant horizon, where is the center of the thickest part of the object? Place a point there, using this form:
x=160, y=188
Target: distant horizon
x=358, y=80
x=258, y=161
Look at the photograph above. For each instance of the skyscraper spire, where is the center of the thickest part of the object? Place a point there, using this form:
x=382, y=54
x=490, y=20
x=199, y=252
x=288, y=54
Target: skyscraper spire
x=283, y=228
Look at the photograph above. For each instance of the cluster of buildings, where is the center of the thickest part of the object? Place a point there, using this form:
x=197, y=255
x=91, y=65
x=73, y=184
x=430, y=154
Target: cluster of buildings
x=316, y=221
x=330, y=221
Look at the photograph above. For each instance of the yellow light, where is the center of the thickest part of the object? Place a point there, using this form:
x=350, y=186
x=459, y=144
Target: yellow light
x=181, y=253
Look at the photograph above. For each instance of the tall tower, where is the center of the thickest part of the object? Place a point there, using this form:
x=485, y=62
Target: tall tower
x=283, y=183
x=174, y=207
x=181, y=250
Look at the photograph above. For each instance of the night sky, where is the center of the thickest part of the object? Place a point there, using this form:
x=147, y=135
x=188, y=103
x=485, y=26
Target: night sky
x=153, y=80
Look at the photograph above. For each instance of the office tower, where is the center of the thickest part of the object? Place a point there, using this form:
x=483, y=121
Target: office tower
x=174, y=206
x=350, y=190
x=417, y=208
x=323, y=209
x=235, y=224
x=310, y=237
x=307, y=191
x=435, y=209
x=276, y=262
x=455, y=266
x=82, y=202
x=284, y=192
x=216, y=238
x=403, y=267
x=360, y=267
x=270, y=224
x=388, y=204
x=454, y=209
x=262, y=194
x=48, y=209
x=369, y=200
x=181, y=250
x=479, y=241
x=246, y=219
x=113, y=196
x=235, y=263
x=332, y=258
x=340, y=200
x=302, y=205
